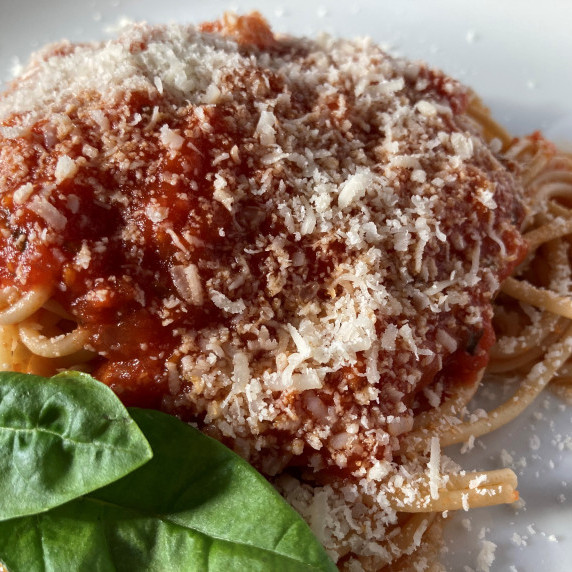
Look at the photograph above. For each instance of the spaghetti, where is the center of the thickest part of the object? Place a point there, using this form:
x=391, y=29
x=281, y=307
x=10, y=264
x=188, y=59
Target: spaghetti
x=296, y=245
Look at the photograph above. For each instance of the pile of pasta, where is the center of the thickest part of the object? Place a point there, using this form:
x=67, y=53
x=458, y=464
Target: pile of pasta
x=389, y=517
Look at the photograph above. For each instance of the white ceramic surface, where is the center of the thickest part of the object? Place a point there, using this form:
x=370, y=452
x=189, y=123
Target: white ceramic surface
x=518, y=56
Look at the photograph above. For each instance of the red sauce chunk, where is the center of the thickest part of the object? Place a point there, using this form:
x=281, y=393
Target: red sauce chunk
x=284, y=240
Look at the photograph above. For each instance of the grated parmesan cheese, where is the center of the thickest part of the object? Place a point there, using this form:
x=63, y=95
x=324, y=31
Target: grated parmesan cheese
x=171, y=138
x=224, y=303
x=434, y=467
x=187, y=282
x=51, y=215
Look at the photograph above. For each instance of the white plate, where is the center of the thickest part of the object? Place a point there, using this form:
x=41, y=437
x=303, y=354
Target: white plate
x=517, y=56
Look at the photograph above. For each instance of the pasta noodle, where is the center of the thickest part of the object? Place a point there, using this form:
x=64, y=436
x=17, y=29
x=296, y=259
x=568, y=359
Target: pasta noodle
x=180, y=267
x=57, y=346
x=18, y=310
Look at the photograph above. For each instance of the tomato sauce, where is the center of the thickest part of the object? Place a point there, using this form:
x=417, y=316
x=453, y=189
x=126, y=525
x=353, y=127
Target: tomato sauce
x=208, y=239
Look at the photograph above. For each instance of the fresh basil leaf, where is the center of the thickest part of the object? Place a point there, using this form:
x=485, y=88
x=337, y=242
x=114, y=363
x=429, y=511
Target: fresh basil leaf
x=60, y=438
x=196, y=506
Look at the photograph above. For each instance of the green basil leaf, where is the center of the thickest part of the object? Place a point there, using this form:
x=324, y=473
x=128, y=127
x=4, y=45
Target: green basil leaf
x=60, y=438
x=196, y=506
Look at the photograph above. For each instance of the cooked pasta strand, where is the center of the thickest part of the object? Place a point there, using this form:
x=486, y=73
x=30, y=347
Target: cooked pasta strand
x=52, y=347
x=539, y=376
x=16, y=311
x=550, y=301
